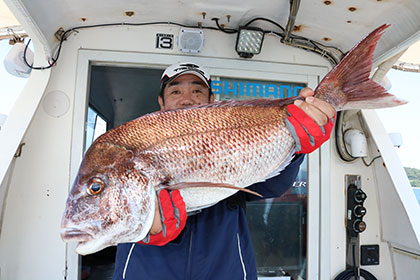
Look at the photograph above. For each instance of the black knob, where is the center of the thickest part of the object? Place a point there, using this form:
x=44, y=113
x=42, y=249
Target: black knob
x=359, y=196
x=359, y=226
x=359, y=211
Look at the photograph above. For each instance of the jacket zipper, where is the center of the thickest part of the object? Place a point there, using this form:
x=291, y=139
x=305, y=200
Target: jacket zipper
x=240, y=256
x=128, y=260
x=189, y=267
x=189, y=273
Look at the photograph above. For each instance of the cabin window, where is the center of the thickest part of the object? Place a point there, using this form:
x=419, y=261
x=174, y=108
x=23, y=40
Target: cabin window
x=95, y=126
x=278, y=231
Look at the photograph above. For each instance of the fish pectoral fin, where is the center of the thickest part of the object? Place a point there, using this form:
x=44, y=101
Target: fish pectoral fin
x=184, y=185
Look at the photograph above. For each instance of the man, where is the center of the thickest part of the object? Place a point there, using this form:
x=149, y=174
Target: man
x=214, y=243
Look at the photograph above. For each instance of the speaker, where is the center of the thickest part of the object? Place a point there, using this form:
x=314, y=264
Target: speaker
x=190, y=40
x=14, y=63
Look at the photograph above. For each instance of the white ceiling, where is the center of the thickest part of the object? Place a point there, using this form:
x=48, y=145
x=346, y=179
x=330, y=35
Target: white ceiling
x=340, y=23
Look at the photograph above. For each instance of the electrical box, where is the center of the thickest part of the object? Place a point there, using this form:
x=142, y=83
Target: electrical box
x=369, y=254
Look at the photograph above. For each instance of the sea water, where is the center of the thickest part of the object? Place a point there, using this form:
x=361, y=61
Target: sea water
x=417, y=193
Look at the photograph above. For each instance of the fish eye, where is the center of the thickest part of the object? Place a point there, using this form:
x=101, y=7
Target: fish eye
x=96, y=186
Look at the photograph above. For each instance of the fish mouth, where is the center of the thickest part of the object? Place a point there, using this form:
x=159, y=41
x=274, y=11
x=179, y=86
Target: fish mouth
x=86, y=242
x=74, y=234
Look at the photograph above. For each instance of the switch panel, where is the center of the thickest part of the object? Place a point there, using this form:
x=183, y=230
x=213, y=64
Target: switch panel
x=355, y=209
x=369, y=255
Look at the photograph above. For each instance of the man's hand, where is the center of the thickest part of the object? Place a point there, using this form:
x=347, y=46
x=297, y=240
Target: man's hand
x=170, y=218
x=310, y=121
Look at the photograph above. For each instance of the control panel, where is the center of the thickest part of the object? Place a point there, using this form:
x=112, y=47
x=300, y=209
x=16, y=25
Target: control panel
x=355, y=209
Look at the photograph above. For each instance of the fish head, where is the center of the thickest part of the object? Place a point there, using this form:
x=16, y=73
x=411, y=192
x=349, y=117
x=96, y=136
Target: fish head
x=111, y=201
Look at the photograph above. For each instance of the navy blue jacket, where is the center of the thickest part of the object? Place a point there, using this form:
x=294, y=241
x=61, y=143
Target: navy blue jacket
x=215, y=243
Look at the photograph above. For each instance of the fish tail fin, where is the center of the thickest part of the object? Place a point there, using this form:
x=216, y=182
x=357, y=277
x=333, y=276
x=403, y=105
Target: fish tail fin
x=347, y=85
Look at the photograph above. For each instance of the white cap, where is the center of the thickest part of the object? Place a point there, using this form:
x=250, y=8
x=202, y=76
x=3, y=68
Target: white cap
x=175, y=70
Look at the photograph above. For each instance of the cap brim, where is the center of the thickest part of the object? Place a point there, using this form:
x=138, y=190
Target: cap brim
x=195, y=73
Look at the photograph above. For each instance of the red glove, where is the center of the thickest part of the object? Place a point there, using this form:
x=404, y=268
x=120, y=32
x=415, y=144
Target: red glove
x=173, y=216
x=308, y=135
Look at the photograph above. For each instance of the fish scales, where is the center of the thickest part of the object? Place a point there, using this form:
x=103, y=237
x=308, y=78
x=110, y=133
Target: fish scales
x=153, y=128
x=235, y=155
x=208, y=144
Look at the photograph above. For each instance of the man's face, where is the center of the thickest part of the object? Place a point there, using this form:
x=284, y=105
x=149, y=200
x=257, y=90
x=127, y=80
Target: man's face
x=185, y=91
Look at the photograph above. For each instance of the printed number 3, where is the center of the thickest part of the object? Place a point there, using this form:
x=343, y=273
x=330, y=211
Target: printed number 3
x=164, y=43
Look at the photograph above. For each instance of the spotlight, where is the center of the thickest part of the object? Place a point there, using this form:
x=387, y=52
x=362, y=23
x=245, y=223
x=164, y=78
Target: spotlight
x=249, y=41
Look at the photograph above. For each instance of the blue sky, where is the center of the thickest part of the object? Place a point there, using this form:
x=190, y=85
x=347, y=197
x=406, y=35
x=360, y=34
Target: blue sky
x=403, y=119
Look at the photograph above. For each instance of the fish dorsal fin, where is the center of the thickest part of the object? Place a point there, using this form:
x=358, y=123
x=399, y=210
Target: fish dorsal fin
x=184, y=185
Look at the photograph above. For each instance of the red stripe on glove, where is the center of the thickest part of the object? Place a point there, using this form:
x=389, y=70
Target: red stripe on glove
x=308, y=135
x=173, y=215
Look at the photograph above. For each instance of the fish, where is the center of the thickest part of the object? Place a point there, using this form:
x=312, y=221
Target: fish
x=208, y=152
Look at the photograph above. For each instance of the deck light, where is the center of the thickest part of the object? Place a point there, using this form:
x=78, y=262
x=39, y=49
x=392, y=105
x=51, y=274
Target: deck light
x=249, y=41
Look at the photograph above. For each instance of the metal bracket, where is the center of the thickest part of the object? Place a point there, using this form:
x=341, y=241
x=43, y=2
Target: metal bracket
x=355, y=180
x=19, y=150
x=59, y=34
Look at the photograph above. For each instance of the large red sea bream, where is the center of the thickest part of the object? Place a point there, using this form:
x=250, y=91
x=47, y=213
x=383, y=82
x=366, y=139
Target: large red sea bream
x=234, y=143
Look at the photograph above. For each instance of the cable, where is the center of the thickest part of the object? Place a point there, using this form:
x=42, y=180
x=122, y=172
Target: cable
x=352, y=273
x=67, y=33
x=355, y=272
x=316, y=50
x=334, y=54
x=294, y=7
x=289, y=39
x=229, y=31
x=369, y=164
x=54, y=60
x=333, y=60
x=265, y=19
x=339, y=139
x=293, y=40
x=349, y=274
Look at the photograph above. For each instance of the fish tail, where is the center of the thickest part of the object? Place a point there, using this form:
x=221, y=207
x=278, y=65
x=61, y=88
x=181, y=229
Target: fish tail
x=347, y=85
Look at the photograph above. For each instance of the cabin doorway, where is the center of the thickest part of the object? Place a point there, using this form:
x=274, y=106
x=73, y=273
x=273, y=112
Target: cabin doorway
x=278, y=226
